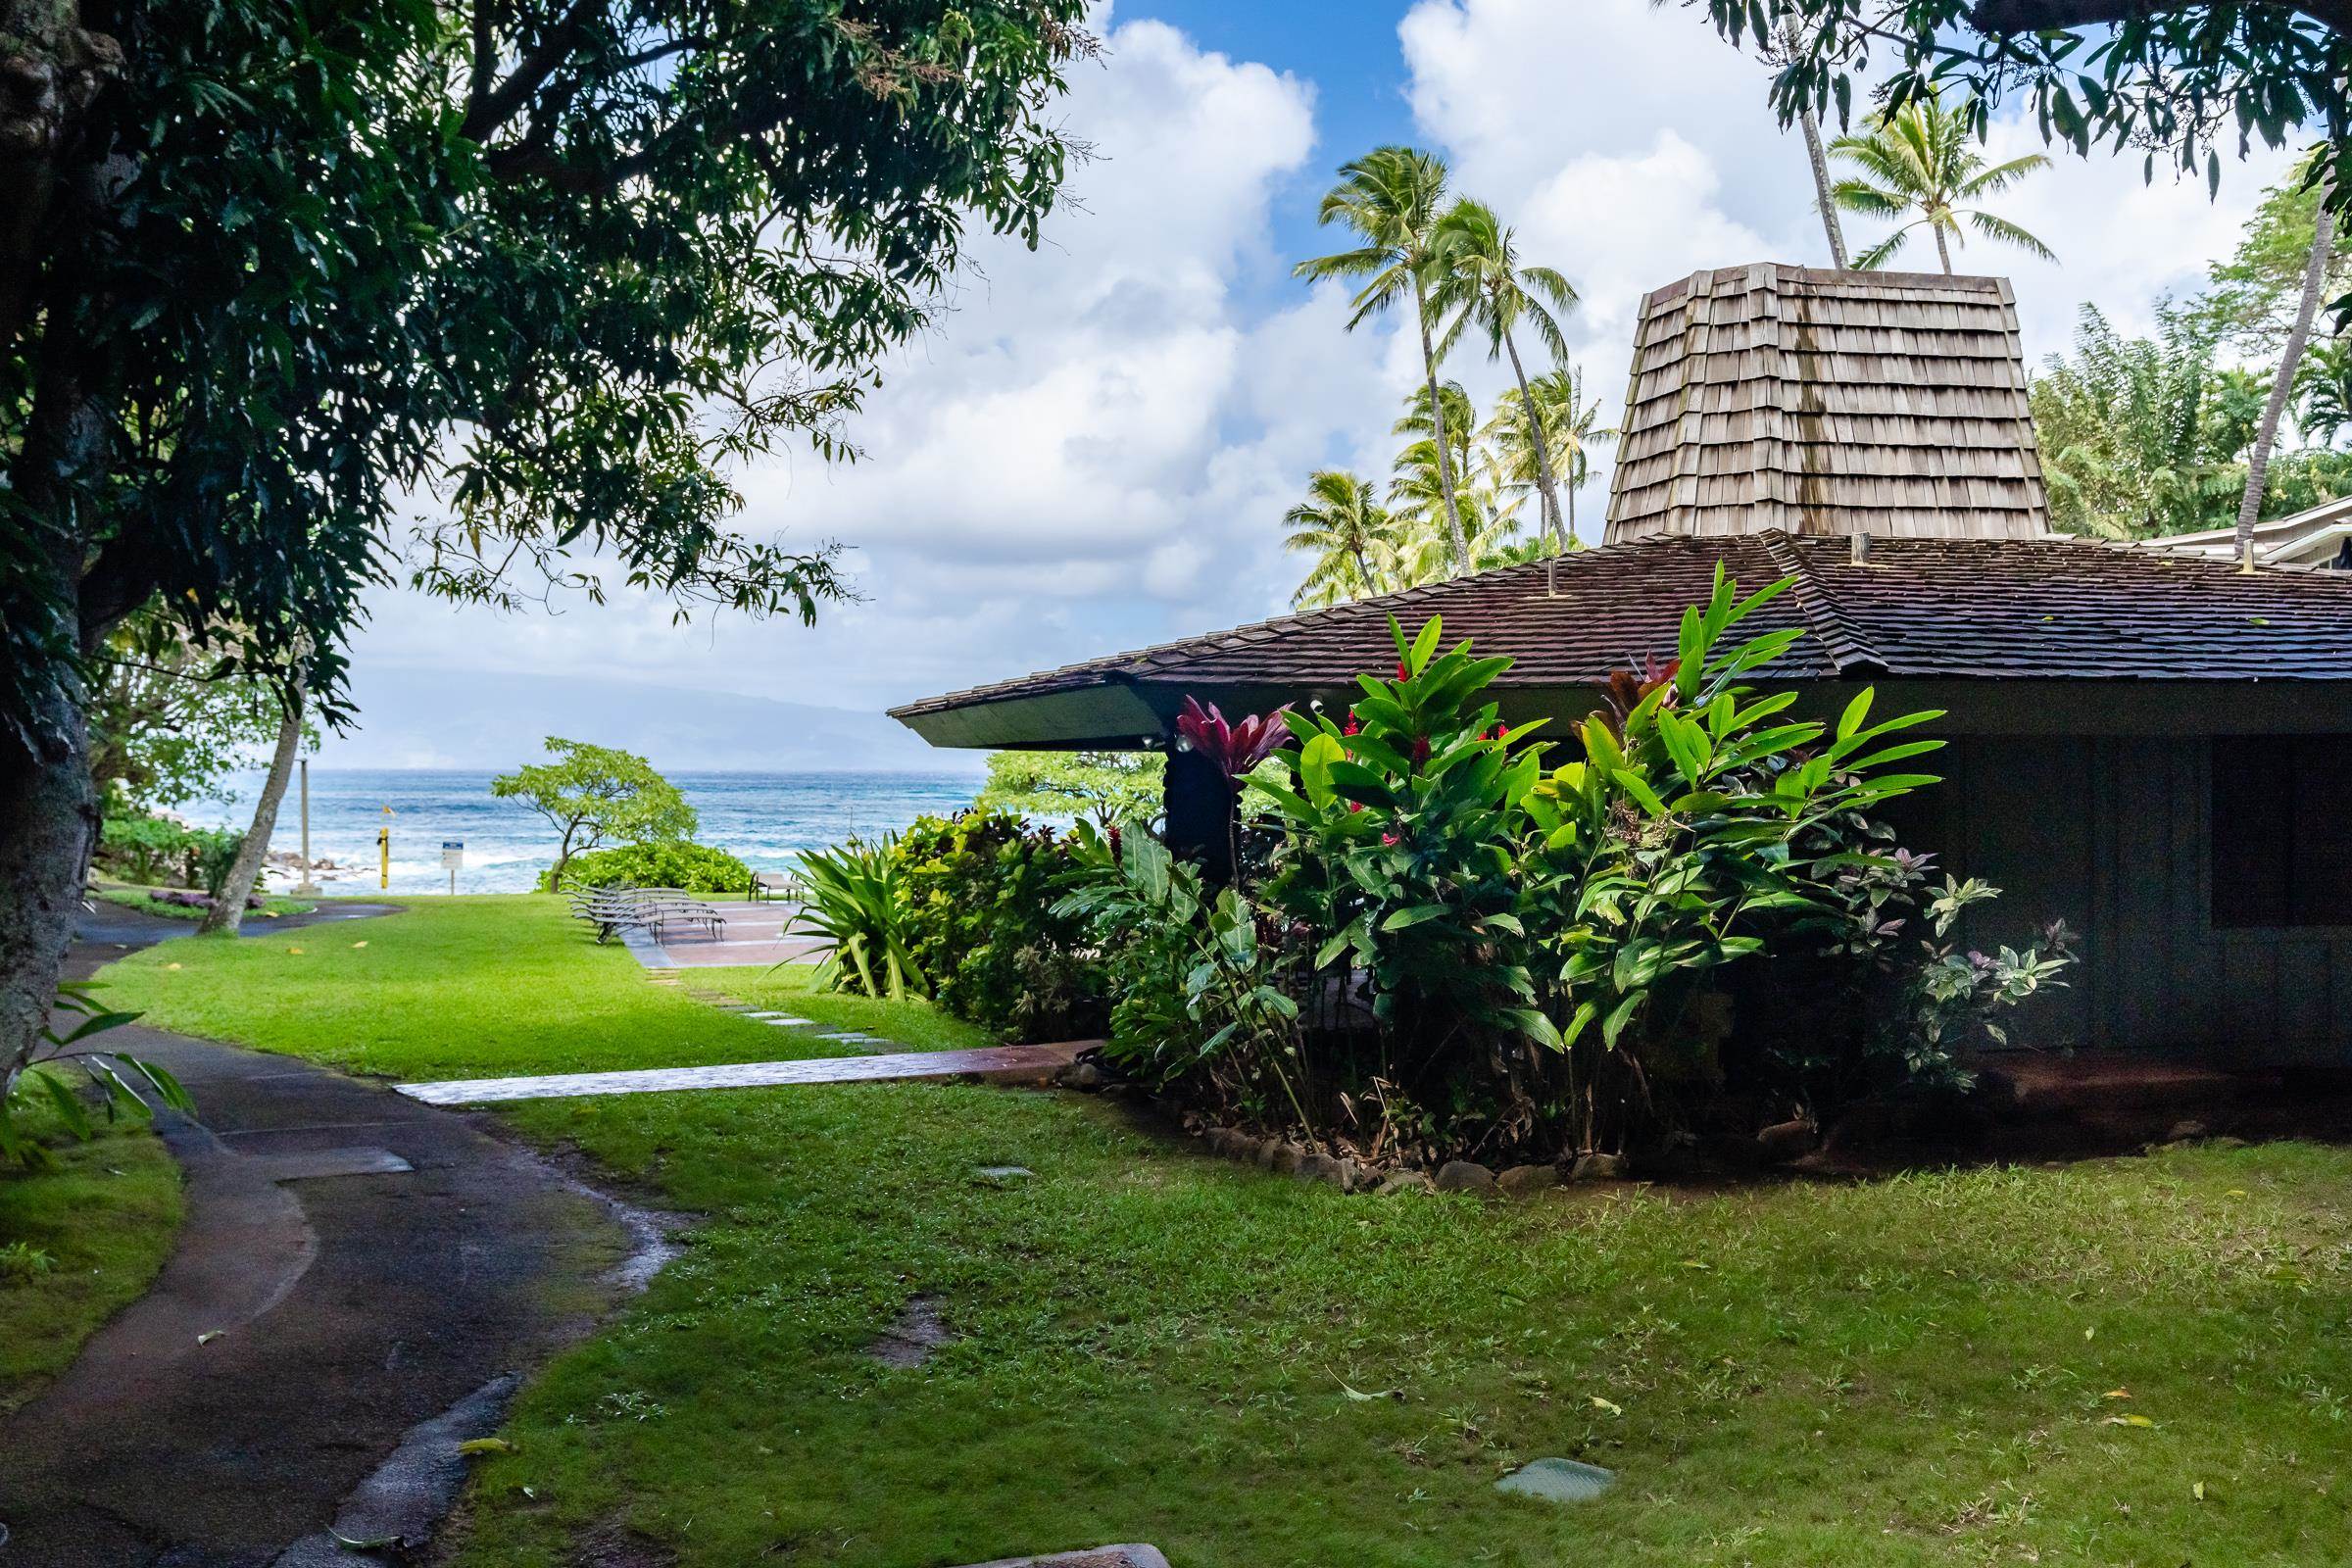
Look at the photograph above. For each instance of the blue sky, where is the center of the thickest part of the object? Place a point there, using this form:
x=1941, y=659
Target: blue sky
x=1091, y=449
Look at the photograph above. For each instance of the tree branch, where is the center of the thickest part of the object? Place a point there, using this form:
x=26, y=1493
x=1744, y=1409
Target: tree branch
x=493, y=107
x=2001, y=18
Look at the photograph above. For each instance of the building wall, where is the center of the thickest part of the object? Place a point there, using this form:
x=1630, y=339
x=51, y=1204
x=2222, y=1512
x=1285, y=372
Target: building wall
x=2113, y=835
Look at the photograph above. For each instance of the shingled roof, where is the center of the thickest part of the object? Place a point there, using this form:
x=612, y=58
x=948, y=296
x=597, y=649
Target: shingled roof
x=1940, y=609
x=1772, y=397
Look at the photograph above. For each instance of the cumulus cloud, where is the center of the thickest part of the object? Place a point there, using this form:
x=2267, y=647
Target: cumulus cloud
x=1093, y=446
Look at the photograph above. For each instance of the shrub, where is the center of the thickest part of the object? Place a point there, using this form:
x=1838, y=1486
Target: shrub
x=1490, y=950
x=850, y=898
x=693, y=867
x=148, y=849
x=979, y=890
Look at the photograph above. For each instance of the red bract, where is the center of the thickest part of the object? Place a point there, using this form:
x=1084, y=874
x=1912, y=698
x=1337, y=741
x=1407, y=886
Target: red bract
x=1626, y=688
x=1235, y=748
x=1352, y=728
x=1402, y=674
x=1389, y=840
x=1420, y=748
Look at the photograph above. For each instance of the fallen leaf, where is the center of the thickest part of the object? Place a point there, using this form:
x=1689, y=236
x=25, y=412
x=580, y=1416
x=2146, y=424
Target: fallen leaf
x=2236, y=1191
x=359, y=943
x=1693, y=1263
x=1610, y=1405
x=2117, y=1394
x=170, y=965
x=2088, y=1333
x=293, y=950
x=370, y=1543
x=2130, y=1421
x=2198, y=1491
x=208, y=1336
x=485, y=1446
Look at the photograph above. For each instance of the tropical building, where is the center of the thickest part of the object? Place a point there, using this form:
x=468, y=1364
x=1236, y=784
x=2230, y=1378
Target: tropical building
x=2149, y=744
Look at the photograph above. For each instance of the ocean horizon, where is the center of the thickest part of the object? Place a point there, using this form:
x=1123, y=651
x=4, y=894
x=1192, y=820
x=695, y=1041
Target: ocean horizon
x=764, y=818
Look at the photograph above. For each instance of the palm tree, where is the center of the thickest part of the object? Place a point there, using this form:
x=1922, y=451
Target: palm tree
x=1918, y=159
x=1480, y=283
x=1825, y=201
x=2258, y=459
x=1570, y=426
x=1343, y=523
x=2323, y=391
x=1390, y=198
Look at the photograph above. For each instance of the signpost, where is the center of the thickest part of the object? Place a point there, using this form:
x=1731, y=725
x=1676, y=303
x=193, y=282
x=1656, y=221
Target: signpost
x=452, y=855
x=305, y=886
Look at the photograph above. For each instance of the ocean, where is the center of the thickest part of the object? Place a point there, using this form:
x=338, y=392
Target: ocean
x=762, y=819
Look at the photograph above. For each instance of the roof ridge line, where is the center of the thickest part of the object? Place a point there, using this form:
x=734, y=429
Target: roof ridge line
x=1848, y=646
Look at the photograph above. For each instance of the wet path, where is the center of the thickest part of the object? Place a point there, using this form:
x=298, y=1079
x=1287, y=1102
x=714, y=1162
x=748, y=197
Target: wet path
x=360, y=1279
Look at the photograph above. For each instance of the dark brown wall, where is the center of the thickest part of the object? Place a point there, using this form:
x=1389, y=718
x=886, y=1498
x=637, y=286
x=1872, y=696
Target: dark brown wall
x=2112, y=833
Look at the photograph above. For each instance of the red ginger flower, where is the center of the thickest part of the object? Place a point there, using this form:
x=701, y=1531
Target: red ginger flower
x=1352, y=728
x=1420, y=748
x=1402, y=674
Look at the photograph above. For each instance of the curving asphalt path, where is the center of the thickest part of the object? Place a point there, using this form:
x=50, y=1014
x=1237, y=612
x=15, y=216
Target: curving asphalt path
x=358, y=1285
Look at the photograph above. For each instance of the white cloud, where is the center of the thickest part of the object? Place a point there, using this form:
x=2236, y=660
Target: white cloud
x=1093, y=447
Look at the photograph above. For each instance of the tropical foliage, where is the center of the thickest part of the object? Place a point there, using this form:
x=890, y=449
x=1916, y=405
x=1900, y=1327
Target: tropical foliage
x=48, y=1078
x=660, y=864
x=852, y=901
x=595, y=794
x=1455, y=489
x=152, y=849
x=1918, y=169
x=978, y=890
x=1454, y=937
x=1107, y=787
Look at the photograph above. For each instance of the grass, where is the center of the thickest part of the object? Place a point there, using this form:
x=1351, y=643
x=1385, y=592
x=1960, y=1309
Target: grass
x=144, y=901
x=485, y=984
x=2139, y=1361
x=77, y=1241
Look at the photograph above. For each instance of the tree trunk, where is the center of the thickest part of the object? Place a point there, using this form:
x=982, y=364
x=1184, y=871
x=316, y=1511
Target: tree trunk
x=2258, y=462
x=48, y=826
x=1544, y=478
x=1437, y=425
x=1942, y=248
x=228, y=912
x=1572, y=514
x=1363, y=571
x=1821, y=164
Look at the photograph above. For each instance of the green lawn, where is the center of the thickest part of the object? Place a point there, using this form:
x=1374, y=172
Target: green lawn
x=77, y=1241
x=1256, y=1373
x=480, y=985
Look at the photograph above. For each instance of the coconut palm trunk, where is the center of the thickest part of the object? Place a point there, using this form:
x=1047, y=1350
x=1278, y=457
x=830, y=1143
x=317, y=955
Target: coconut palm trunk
x=1544, y=479
x=228, y=912
x=1459, y=545
x=1821, y=164
x=2258, y=460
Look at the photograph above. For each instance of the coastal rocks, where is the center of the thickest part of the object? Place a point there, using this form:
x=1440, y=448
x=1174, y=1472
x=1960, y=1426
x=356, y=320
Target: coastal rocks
x=1464, y=1176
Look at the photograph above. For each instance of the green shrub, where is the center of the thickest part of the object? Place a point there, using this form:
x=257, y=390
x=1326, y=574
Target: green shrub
x=850, y=898
x=149, y=848
x=693, y=867
x=1493, y=950
x=979, y=890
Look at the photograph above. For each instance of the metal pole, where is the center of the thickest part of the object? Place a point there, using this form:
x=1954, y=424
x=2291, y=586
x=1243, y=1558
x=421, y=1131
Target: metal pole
x=305, y=885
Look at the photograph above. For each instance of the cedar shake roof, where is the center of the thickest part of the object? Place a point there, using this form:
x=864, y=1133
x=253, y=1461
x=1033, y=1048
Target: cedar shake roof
x=1812, y=402
x=2047, y=609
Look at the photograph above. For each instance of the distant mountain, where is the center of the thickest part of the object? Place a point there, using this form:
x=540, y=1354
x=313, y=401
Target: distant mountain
x=433, y=718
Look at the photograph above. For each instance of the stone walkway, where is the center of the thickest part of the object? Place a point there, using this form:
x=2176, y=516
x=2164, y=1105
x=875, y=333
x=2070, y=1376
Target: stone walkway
x=1032, y=1063
x=357, y=1282
x=755, y=933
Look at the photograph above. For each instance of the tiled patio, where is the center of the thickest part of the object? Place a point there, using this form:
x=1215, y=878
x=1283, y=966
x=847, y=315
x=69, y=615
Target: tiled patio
x=754, y=934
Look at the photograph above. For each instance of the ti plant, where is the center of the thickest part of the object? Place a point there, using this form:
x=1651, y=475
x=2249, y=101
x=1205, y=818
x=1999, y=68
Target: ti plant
x=47, y=1078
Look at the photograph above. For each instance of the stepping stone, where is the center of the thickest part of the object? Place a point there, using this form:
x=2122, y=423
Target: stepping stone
x=778, y=1020
x=1135, y=1554
x=1558, y=1480
x=918, y=1331
x=1000, y=1175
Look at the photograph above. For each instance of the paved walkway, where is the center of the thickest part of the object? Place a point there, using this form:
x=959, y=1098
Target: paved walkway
x=754, y=934
x=1034, y=1063
x=359, y=1279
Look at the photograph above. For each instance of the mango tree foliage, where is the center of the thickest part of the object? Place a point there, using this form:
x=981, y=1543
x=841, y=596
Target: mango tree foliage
x=2184, y=82
x=278, y=278
x=595, y=795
